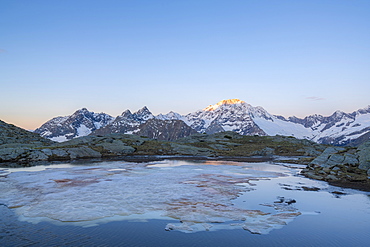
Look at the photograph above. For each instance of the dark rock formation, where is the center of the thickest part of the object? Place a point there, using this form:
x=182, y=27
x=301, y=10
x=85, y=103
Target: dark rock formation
x=167, y=130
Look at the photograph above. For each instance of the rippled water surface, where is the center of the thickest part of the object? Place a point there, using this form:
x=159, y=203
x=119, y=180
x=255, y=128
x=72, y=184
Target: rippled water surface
x=177, y=203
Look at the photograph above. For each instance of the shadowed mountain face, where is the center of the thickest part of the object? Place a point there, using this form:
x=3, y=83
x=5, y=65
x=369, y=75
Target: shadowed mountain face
x=126, y=123
x=168, y=130
x=228, y=115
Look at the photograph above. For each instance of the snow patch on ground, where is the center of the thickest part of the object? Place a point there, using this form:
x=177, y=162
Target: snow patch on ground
x=59, y=139
x=83, y=131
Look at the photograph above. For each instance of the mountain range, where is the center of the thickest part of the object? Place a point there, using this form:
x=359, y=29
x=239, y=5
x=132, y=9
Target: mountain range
x=340, y=128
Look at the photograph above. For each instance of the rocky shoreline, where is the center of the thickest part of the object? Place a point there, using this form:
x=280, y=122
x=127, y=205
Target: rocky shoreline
x=225, y=145
x=342, y=166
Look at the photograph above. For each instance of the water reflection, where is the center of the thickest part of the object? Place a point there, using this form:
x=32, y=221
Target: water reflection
x=201, y=196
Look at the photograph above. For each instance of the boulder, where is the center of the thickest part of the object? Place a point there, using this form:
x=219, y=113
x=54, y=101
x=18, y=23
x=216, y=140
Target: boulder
x=36, y=155
x=191, y=150
x=56, y=154
x=82, y=152
x=350, y=159
x=325, y=158
x=117, y=147
x=364, y=156
x=12, y=154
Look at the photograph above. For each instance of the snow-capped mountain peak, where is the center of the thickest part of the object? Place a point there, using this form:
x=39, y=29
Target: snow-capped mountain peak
x=143, y=115
x=81, y=111
x=81, y=123
x=223, y=102
x=169, y=116
x=234, y=114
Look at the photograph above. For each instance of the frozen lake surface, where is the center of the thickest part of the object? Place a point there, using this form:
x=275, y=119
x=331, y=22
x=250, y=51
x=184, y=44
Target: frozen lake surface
x=160, y=203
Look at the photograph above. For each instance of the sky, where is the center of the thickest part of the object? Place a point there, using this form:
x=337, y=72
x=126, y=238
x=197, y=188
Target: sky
x=290, y=57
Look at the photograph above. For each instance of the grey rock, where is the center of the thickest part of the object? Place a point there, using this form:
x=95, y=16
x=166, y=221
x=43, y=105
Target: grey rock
x=350, y=159
x=47, y=151
x=12, y=154
x=36, y=155
x=82, y=152
x=331, y=177
x=364, y=156
x=117, y=147
x=334, y=159
x=313, y=175
x=310, y=151
x=323, y=159
x=54, y=154
x=190, y=150
x=219, y=147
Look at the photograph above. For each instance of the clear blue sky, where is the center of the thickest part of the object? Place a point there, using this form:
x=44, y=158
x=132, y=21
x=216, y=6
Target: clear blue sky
x=290, y=57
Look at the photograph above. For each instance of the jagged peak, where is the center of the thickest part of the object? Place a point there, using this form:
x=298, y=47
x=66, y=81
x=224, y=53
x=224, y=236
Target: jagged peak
x=143, y=110
x=82, y=111
x=172, y=113
x=143, y=114
x=364, y=110
x=224, y=102
x=126, y=113
x=338, y=114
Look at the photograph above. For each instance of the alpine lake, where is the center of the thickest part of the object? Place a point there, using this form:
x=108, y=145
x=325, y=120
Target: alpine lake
x=177, y=203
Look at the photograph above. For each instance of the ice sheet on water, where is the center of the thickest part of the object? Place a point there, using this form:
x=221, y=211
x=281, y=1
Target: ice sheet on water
x=197, y=194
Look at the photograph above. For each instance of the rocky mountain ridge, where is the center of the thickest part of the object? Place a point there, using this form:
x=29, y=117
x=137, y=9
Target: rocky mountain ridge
x=228, y=115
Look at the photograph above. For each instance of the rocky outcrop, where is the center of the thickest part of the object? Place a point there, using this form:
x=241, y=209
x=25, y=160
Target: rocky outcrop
x=225, y=145
x=80, y=148
x=11, y=134
x=342, y=166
